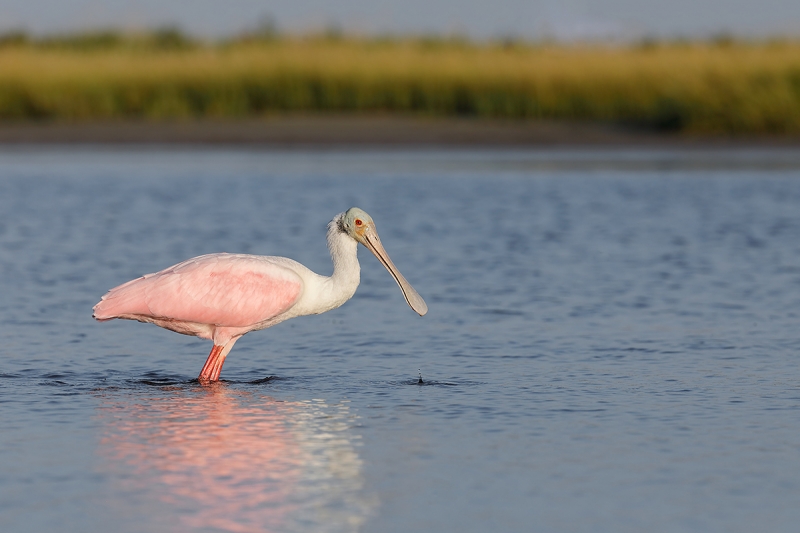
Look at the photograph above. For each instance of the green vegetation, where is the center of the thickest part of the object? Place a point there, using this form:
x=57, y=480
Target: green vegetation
x=720, y=86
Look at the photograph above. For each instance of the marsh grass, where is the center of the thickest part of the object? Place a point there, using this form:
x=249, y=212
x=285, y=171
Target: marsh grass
x=706, y=87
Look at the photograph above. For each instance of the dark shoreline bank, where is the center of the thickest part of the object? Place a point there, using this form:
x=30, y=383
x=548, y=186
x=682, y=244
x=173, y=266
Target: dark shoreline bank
x=335, y=131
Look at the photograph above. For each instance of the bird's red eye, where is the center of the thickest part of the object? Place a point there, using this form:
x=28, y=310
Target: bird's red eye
x=358, y=222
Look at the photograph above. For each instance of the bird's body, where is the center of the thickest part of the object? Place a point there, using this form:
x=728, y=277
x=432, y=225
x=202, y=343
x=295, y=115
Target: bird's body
x=221, y=297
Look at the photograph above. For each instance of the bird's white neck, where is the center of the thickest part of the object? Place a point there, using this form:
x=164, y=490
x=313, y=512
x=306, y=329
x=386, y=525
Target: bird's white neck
x=341, y=286
x=344, y=254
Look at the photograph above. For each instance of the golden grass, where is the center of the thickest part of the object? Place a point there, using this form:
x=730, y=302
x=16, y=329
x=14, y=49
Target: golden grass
x=695, y=87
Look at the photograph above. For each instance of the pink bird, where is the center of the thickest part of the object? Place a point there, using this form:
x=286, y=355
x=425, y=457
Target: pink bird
x=221, y=297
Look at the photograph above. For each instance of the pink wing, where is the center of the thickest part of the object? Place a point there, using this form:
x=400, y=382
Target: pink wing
x=221, y=289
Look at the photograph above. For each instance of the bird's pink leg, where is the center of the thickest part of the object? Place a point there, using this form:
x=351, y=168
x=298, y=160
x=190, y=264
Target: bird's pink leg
x=213, y=365
x=216, y=359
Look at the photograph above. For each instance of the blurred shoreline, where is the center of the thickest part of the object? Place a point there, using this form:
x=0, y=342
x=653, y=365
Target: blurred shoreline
x=368, y=131
x=697, y=88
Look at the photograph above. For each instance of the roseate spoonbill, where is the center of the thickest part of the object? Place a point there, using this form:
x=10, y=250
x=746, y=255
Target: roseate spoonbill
x=221, y=297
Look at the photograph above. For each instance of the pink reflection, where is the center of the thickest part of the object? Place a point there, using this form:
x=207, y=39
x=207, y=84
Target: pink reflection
x=221, y=459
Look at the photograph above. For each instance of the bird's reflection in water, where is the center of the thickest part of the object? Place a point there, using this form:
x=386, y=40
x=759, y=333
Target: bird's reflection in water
x=231, y=460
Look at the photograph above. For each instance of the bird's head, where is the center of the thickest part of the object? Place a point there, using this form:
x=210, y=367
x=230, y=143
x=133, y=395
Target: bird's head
x=358, y=224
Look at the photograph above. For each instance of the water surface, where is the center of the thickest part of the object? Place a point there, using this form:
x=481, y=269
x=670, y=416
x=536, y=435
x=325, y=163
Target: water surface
x=612, y=344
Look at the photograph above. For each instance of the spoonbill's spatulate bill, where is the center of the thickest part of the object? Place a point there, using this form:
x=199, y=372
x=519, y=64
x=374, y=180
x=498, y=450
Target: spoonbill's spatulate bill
x=221, y=297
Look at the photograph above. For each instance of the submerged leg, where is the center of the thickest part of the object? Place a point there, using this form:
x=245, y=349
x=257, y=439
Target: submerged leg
x=216, y=359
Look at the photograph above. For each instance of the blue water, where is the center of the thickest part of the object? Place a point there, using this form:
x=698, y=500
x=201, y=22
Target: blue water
x=612, y=344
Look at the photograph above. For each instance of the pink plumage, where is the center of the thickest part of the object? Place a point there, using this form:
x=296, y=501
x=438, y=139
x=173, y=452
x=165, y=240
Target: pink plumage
x=218, y=289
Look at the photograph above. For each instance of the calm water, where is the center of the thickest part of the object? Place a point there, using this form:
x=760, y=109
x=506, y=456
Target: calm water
x=613, y=344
